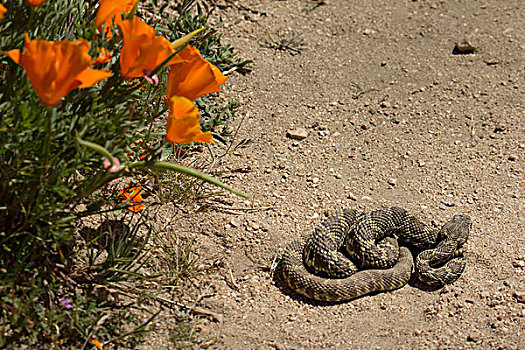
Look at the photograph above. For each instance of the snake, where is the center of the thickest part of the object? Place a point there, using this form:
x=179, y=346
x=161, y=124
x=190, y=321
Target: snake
x=352, y=253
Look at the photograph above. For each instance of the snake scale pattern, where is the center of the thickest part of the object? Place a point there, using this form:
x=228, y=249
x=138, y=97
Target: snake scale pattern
x=352, y=254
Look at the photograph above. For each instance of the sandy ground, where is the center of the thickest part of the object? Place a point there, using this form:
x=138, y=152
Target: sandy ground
x=393, y=118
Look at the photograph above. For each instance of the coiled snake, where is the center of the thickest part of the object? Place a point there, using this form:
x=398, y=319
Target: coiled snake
x=351, y=254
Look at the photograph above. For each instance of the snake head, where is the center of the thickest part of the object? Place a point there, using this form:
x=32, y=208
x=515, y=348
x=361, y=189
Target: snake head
x=456, y=230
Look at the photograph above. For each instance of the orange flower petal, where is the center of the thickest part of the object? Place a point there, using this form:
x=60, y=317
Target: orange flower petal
x=141, y=50
x=180, y=106
x=186, y=130
x=183, y=124
x=111, y=9
x=132, y=195
x=89, y=77
x=14, y=55
x=56, y=67
x=97, y=344
x=193, y=76
x=36, y=2
x=3, y=10
x=103, y=57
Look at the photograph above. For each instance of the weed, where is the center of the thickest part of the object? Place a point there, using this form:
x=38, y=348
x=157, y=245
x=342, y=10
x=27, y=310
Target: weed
x=60, y=281
x=284, y=40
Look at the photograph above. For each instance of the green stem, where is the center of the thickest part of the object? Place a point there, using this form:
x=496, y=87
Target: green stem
x=97, y=148
x=184, y=170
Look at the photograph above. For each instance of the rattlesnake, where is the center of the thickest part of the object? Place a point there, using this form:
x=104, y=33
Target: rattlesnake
x=318, y=265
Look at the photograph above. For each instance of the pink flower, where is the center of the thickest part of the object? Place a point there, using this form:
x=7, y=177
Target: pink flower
x=114, y=168
x=66, y=302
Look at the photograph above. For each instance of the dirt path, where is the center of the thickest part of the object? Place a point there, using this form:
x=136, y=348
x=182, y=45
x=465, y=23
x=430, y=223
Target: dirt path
x=393, y=118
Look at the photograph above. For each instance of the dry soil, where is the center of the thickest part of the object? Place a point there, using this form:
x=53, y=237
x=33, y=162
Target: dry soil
x=392, y=117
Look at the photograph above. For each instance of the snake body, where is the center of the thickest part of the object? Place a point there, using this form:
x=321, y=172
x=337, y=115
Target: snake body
x=351, y=254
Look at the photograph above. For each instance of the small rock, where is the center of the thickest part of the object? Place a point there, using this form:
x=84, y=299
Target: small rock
x=385, y=104
x=235, y=222
x=500, y=128
x=297, y=134
x=484, y=294
x=383, y=63
x=464, y=47
x=492, y=61
x=368, y=31
x=314, y=216
x=448, y=202
x=473, y=337
x=392, y=181
x=513, y=157
x=366, y=198
x=352, y=196
x=518, y=263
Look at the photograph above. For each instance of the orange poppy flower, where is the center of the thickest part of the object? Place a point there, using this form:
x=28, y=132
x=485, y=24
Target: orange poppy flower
x=57, y=67
x=183, y=125
x=3, y=10
x=97, y=344
x=141, y=51
x=110, y=13
x=192, y=76
x=36, y=2
x=131, y=194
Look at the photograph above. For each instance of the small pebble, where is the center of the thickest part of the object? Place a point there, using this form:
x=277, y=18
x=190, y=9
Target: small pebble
x=518, y=263
x=500, y=128
x=385, y=104
x=512, y=157
x=473, y=337
x=392, y=181
x=235, y=222
x=297, y=134
x=464, y=47
x=520, y=296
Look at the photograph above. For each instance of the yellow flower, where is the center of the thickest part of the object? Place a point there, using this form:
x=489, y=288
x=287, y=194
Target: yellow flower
x=192, y=76
x=36, y=2
x=3, y=10
x=141, y=51
x=57, y=67
x=183, y=125
x=131, y=194
x=110, y=12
